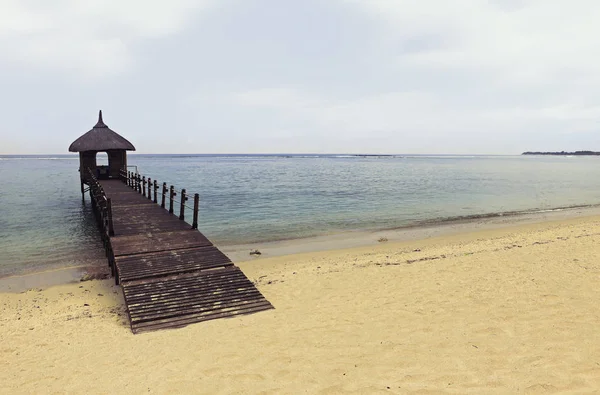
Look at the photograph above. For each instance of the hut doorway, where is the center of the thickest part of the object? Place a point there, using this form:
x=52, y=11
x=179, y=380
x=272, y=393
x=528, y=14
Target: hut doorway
x=102, y=159
x=102, y=165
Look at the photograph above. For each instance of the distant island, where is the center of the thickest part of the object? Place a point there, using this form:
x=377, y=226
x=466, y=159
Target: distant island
x=581, y=153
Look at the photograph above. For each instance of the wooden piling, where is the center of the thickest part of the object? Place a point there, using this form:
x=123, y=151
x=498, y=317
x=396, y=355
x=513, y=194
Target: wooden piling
x=155, y=189
x=111, y=231
x=171, y=195
x=182, y=200
x=164, y=193
x=196, y=208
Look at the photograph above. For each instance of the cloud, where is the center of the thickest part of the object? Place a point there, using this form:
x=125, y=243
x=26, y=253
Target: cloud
x=428, y=76
x=528, y=42
x=407, y=122
x=462, y=70
x=91, y=38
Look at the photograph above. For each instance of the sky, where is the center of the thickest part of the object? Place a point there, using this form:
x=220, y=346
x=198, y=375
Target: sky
x=310, y=76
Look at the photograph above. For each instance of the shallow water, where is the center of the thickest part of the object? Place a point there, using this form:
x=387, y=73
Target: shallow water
x=245, y=199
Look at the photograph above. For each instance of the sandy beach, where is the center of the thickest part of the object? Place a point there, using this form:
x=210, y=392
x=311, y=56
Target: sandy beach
x=510, y=310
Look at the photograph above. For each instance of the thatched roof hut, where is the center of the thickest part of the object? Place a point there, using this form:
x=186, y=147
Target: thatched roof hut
x=101, y=139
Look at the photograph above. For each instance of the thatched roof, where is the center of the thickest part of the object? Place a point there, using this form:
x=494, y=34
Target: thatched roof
x=100, y=138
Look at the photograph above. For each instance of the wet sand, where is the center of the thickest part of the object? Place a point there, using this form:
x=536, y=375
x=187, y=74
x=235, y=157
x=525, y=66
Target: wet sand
x=238, y=253
x=331, y=242
x=511, y=310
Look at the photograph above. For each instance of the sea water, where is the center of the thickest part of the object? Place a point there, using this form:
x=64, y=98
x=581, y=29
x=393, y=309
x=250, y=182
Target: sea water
x=45, y=223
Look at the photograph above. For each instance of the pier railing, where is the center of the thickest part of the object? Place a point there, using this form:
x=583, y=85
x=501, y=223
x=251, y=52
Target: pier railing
x=102, y=208
x=150, y=188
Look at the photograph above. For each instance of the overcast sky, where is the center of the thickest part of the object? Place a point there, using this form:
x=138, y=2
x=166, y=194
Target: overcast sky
x=305, y=76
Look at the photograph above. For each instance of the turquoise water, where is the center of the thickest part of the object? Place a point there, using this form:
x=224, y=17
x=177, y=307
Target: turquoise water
x=245, y=199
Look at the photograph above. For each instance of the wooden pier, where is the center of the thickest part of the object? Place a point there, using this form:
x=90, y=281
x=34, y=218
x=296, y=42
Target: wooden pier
x=171, y=274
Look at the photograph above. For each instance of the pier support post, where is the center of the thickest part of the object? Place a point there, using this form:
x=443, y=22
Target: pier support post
x=155, y=189
x=182, y=200
x=171, y=195
x=143, y=191
x=149, y=188
x=111, y=231
x=164, y=193
x=196, y=207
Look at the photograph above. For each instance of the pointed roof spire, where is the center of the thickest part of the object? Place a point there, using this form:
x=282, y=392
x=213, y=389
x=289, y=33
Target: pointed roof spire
x=100, y=123
x=101, y=138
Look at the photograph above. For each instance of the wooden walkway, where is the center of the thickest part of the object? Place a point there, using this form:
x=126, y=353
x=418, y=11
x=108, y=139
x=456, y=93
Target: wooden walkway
x=171, y=274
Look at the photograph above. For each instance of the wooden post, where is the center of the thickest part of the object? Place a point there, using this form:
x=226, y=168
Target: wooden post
x=111, y=231
x=171, y=195
x=129, y=179
x=139, y=183
x=143, y=185
x=182, y=200
x=155, y=189
x=149, y=188
x=196, y=207
x=164, y=192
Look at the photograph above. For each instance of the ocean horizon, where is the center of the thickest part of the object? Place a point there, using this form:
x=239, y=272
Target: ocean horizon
x=257, y=198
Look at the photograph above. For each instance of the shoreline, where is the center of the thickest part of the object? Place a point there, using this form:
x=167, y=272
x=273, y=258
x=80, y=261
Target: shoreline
x=240, y=254
x=420, y=231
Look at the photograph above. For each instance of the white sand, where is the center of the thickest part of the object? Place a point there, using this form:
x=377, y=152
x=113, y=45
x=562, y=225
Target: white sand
x=515, y=310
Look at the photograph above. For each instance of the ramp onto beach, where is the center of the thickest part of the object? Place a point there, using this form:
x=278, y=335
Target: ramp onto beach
x=171, y=274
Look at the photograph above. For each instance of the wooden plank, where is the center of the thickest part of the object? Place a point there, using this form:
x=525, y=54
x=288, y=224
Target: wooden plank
x=184, y=321
x=227, y=273
x=134, y=271
x=171, y=284
x=183, y=255
x=179, y=305
x=179, y=312
x=154, y=242
x=194, y=300
x=153, y=294
x=127, y=273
